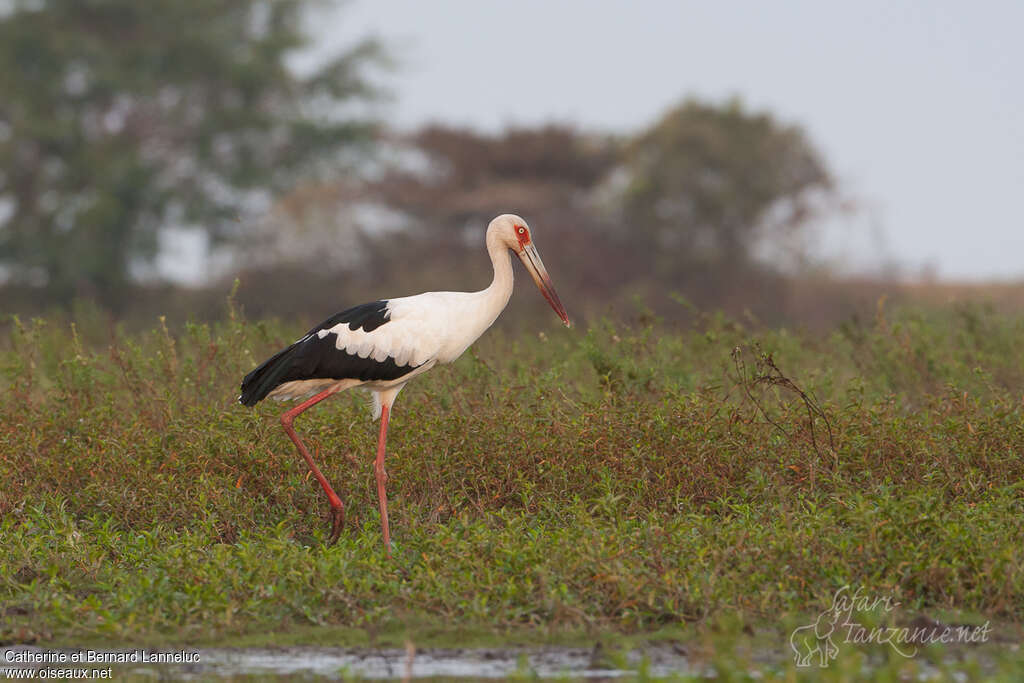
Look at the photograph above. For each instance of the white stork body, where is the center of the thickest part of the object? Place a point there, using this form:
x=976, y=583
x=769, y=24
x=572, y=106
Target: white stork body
x=382, y=345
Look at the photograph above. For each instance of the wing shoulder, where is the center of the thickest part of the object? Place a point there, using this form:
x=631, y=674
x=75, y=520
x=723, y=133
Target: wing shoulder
x=401, y=329
x=367, y=317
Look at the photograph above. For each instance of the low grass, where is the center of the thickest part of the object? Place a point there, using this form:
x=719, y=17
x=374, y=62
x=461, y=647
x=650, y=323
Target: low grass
x=625, y=479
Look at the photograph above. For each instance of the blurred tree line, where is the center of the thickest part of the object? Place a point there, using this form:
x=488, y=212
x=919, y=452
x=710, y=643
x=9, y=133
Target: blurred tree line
x=119, y=118
x=122, y=119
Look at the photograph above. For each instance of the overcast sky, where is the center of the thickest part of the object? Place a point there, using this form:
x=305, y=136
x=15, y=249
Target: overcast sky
x=917, y=106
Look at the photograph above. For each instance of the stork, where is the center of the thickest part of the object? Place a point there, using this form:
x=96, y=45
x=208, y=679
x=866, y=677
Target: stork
x=382, y=345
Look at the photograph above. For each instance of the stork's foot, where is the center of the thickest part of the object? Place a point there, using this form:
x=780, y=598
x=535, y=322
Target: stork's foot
x=337, y=523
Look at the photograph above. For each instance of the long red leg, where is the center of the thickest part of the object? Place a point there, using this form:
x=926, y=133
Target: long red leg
x=337, y=509
x=382, y=477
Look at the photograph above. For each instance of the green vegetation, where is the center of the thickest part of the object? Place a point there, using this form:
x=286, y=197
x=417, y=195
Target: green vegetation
x=628, y=479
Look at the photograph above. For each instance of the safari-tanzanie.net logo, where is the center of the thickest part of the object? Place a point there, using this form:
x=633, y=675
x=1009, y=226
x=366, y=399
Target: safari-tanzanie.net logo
x=816, y=642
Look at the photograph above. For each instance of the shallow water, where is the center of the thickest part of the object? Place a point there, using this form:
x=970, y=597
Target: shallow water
x=336, y=663
x=655, y=660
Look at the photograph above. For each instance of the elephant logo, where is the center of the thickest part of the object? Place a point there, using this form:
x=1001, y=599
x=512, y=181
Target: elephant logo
x=816, y=638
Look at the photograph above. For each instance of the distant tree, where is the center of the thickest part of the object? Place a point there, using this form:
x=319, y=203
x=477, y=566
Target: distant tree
x=546, y=174
x=472, y=174
x=121, y=117
x=707, y=184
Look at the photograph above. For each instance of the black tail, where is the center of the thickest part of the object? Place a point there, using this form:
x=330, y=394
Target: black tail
x=264, y=379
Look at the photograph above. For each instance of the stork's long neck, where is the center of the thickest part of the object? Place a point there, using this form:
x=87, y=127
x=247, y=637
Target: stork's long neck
x=483, y=307
x=495, y=297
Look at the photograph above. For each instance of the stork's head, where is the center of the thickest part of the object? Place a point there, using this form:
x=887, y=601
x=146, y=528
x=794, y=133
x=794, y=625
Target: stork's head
x=515, y=234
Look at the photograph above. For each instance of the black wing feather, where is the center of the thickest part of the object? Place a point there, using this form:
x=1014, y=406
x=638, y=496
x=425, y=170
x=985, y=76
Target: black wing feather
x=313, y=357
x=367, y=316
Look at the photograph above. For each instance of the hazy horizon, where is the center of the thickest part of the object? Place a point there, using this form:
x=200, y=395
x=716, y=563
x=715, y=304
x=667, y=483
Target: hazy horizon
x=914, y=108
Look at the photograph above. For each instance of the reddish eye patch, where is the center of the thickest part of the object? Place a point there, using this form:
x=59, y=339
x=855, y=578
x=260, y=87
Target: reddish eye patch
x=523, y=235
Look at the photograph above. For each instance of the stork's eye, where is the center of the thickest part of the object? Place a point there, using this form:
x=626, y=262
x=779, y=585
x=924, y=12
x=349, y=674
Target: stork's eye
x=522, y=230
